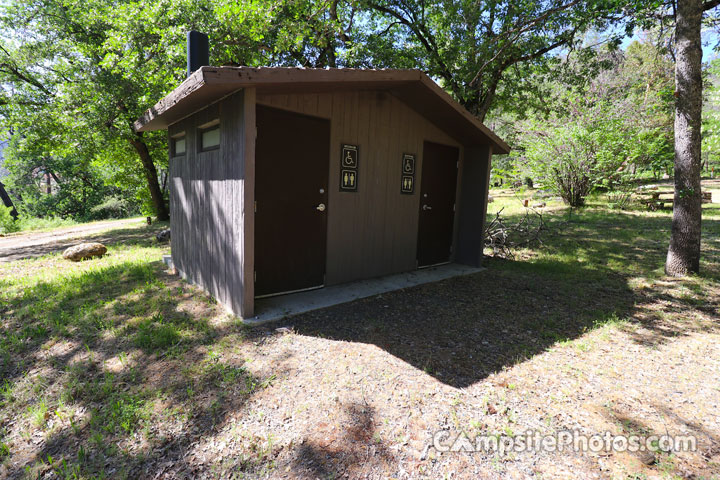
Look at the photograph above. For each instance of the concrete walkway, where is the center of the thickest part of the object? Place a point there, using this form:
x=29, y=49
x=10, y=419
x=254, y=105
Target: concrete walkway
x=276, y=308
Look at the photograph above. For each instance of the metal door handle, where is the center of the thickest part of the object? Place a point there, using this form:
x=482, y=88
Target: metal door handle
x=427, y=207
x=320, y=207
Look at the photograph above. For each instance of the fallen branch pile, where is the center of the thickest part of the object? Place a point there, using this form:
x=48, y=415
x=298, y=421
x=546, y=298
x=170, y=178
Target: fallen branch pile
x=504, y=238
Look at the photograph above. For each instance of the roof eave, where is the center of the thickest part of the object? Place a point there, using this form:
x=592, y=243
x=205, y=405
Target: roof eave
x=209, y=84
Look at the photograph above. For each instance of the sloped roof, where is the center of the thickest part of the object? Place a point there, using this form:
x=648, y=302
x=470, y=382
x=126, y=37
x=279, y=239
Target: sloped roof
x=210, y=84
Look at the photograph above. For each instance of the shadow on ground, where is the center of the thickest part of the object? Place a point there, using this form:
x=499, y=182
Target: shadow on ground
x=463, y=329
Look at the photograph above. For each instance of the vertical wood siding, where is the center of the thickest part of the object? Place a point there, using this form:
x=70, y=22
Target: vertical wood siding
x=373, y=231
x=473, y=205
x=207, y=204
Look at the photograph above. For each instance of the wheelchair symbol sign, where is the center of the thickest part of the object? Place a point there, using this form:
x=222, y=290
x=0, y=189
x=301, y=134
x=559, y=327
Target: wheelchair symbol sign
x=349, y=168
x=408, y=167
x=407, y=180
x=349, y=156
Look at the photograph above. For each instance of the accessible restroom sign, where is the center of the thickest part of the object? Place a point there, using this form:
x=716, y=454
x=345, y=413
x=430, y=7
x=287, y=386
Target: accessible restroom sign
x=349, y=168
x=407, y=183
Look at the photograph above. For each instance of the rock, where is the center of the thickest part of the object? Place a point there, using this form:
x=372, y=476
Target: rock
x=163, y=236
x=84, y=251
x=648, y=458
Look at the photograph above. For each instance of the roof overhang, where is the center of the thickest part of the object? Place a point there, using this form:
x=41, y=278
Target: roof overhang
x=210, y=84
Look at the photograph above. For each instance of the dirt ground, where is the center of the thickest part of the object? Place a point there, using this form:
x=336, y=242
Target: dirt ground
x=34, y=244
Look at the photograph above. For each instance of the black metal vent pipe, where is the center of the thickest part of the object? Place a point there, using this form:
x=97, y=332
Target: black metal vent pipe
x=198, y=51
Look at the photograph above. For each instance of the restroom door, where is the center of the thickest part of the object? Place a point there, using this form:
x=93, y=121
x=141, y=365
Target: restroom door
x=291, y=181
x=437, y=204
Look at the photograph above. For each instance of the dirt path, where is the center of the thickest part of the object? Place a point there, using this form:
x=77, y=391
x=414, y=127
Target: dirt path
x=34, y=244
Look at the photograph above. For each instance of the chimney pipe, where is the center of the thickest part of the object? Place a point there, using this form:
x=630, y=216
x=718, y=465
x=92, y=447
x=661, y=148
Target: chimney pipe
x=198, y=51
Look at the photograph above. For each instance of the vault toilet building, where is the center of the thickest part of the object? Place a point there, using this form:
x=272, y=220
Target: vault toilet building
x=286, y=179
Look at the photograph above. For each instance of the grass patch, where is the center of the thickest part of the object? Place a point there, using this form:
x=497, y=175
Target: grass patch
x=152, y=335
x=91, y=352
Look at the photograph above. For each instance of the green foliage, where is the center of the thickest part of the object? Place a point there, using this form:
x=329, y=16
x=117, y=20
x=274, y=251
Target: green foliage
x=620, y=199
x=4, y=450
x=487, y=54
x=152, y=334
x=711, y=119
x=504, y=170
x=7, y=223
x=33, y=223
x=605, y=134
x=113, y=207
x=574, y=158
x=79, y=72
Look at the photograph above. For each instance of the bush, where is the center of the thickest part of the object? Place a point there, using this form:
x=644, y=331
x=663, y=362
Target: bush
x=620, y=200
x=112, y=207
x=592, y=153
x=572, y=160
x=7, y=223
x=572, y=181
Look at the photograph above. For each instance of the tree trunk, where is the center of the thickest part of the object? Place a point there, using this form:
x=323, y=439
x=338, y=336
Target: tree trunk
x=161, y=209
x=684, y=253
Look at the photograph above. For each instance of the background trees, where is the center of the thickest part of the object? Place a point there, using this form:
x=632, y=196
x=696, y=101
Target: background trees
x=613, y=129
x=488, y=53
x=548, y=74
x=76, y=74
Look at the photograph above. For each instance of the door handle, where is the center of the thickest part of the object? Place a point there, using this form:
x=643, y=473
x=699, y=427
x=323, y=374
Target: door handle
x=320, y=208
x=427, y=207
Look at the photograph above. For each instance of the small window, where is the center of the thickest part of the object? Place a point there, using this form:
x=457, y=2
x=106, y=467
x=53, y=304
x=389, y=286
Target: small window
x=179, y=145
x=210, y=136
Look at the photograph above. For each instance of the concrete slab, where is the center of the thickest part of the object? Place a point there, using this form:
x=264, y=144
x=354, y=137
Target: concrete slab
x=276, y=308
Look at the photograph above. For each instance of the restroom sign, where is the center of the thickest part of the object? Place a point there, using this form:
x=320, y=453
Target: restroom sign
x=408, y=167
x=408, y=184
x=349, y=156
x=407, y=179
x=348, y=180
x=349, y=168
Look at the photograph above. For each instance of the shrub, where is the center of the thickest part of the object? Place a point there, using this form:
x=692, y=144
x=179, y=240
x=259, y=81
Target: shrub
x=574, y=159
x=572, y=181
x=112, y=207
x=619, y=200
x=7, y=223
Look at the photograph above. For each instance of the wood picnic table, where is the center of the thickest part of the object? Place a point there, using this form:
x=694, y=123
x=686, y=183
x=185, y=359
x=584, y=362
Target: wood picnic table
x=653, y=201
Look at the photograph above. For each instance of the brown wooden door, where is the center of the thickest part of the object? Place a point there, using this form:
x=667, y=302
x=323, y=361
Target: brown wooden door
x=291, y=183
x=437, y=204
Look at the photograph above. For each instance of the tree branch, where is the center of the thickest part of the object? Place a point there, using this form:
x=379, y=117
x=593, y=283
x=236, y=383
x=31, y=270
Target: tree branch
x=425, y=39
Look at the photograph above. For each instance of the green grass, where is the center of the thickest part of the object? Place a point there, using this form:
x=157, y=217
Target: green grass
x=32, y=224
x=101, y=326
x=630, y=243
x=152, y=335
x=27, y=224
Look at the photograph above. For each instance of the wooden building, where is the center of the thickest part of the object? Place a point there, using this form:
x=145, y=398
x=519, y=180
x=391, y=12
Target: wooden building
x=286, y=179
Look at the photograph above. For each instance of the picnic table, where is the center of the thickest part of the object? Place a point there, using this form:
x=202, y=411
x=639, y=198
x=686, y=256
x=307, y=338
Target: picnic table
x=653, y=198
